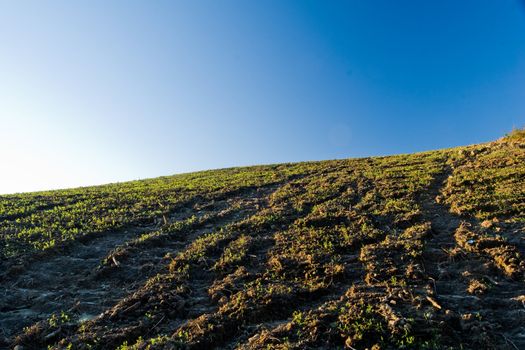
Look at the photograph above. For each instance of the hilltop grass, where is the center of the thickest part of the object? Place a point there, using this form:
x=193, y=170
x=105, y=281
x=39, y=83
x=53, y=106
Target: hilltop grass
x=516, y=135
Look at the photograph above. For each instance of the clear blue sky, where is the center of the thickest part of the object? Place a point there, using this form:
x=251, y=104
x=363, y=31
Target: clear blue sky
x=102, y=91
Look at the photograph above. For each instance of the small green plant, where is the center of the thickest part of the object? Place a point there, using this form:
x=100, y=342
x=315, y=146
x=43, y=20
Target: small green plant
x=56, y=320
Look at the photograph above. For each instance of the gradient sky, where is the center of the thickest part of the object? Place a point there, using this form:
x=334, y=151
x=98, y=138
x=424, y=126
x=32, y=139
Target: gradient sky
x=102, y=91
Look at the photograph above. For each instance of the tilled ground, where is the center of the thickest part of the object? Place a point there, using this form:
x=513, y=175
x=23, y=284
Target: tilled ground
x=378, y=253
x=78, y=281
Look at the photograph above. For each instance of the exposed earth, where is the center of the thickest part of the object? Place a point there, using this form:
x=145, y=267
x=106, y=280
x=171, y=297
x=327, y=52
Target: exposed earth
x=421, y=251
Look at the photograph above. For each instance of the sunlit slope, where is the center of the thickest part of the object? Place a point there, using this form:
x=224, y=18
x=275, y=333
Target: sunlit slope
x=421, y=251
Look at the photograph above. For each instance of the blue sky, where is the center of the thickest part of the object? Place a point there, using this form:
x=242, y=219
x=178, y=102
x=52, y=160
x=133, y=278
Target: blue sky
x=102, y=91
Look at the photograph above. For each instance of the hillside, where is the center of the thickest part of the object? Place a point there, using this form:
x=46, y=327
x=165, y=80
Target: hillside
x=419, y=251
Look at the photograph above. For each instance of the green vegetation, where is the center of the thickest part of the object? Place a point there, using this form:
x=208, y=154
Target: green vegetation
x=37, y=221
x=488, y=182
x=420, y=251
x=516, y=135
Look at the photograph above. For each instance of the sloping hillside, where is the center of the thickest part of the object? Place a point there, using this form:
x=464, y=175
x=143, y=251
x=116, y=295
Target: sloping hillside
x=420, y=251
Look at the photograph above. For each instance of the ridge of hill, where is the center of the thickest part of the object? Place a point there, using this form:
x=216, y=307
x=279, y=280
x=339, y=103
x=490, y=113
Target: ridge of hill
x=417, y=251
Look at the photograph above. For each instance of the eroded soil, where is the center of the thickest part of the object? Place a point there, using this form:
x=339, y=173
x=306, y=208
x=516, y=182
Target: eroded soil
x=83, y=279
x=407, y=252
